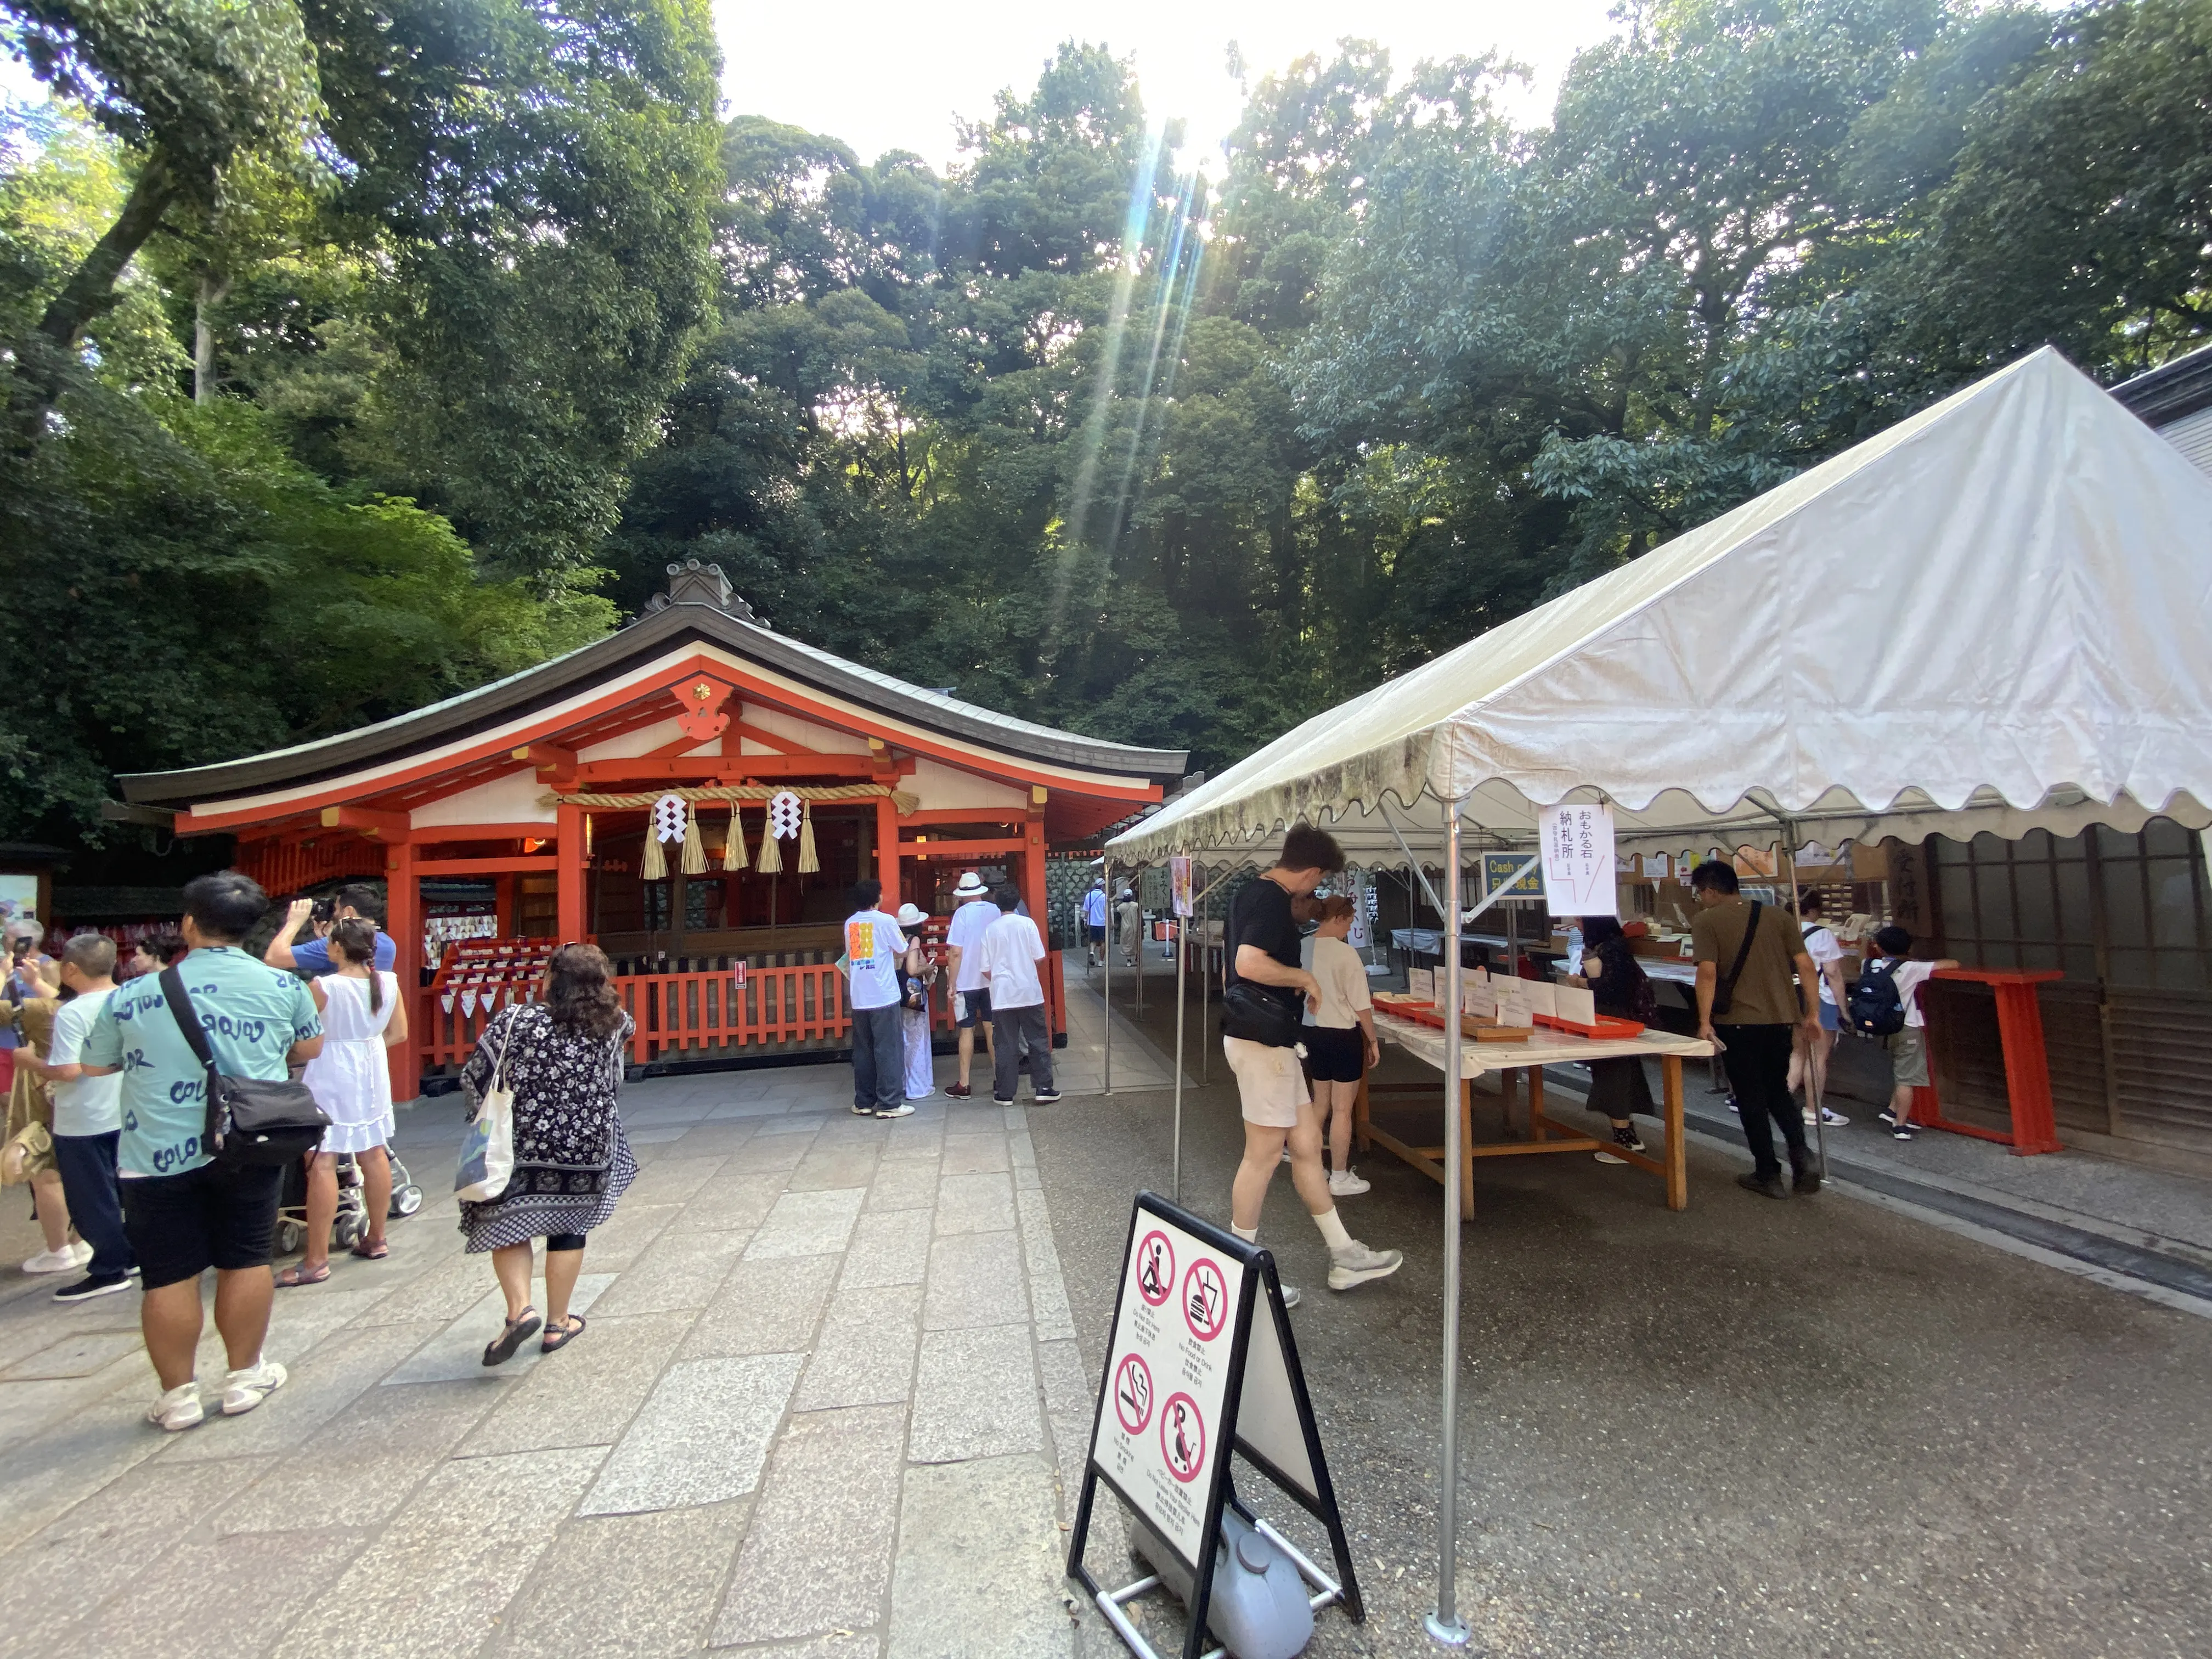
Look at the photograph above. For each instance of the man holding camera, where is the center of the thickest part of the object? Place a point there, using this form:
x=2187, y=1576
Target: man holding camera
x=1262, y=1013
x=313, y=957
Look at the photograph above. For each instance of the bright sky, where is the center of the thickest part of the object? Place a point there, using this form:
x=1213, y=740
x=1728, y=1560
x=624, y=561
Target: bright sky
x=884, y=77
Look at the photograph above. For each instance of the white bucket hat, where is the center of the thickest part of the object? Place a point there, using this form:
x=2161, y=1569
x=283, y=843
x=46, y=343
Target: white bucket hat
x=971, y=886
x=911, y=915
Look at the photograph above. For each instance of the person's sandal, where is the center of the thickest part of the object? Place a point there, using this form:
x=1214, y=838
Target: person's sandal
x=561, y=1339
x=375, y=1252
x=518, y=1330
x=293, y=1278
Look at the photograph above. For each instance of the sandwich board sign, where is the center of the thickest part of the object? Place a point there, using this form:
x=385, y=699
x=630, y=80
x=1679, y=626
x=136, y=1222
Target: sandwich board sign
x=1203, y=1363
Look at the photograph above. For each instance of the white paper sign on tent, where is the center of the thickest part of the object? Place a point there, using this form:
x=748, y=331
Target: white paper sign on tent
x=1539, y=994
x=1579, y=866
x=1421, y=984
x=1574, y=1005
x=1476, y=997
x=1513, y=1007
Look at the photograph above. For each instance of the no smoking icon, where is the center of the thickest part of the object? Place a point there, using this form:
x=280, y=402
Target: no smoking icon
x=1132, y=1394
x=1182, y=1438
x=1205, y=1299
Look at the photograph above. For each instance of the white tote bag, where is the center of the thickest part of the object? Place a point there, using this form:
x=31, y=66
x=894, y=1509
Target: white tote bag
x=487, y=1153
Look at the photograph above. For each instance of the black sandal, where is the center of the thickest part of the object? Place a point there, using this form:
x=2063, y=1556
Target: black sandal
x=516, y=1334
x=562, y=1339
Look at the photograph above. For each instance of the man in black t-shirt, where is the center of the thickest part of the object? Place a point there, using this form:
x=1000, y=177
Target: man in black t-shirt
x=1262, y=937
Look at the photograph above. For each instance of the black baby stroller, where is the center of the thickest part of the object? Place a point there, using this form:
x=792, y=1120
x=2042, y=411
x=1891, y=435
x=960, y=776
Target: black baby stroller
x=351, y=1224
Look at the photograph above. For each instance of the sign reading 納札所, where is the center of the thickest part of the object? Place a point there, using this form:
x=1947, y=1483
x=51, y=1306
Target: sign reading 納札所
x=1202, y=1361
x=1578, y=862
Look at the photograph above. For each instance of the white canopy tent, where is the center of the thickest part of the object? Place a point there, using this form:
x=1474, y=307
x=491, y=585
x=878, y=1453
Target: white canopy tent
x=1994, y=616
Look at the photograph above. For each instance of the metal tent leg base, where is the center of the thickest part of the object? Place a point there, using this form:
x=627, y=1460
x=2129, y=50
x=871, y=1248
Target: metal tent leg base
x=1451, y=1635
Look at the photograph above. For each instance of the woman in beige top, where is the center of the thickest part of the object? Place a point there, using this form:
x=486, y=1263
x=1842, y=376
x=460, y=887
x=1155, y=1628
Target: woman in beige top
x=1339, y=1037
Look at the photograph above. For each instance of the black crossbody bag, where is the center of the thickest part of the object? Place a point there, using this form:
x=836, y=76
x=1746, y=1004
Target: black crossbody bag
x=1263, y=1014
x=1724, y=992
x=250, y=1123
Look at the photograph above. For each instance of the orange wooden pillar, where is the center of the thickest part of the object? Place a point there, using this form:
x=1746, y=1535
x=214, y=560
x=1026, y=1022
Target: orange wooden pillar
x=568, y=885
x=404, y=921
x=1033, y=889
x=887, y=853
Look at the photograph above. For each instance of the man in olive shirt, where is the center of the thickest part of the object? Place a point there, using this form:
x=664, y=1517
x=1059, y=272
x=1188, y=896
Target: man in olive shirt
x=1762, y=1005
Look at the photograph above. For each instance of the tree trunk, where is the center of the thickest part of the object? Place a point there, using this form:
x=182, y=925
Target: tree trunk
x=213, y=291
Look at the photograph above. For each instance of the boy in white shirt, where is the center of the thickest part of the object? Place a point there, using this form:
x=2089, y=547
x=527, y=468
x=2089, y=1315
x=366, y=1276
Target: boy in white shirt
x=1808, y=1060
x=1011, y=949
x=88, y=1119
x=1908, y=1049
x=971, y=997
x=873, y=945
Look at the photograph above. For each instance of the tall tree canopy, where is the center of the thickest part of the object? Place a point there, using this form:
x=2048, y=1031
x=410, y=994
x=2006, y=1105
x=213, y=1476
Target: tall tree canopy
x=478, y=302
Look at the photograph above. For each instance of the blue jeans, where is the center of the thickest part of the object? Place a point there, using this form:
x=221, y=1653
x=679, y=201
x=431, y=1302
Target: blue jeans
x=87, y=1165
x=878, y=1058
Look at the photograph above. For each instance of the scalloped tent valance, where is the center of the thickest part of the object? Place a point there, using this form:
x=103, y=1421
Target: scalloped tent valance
x=1994, y=616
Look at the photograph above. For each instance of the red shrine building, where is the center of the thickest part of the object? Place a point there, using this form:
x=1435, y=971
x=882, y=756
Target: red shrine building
x=695, y=793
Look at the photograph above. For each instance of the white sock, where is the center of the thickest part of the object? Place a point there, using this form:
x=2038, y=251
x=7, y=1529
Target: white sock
x=1249, y=1235
x=1332, y=1229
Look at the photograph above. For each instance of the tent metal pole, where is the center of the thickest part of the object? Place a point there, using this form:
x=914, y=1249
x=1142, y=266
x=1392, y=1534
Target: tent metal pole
x=1205, y=982
x=1106, y=956
x=1182, y=954
x=1445, y=1625
x=1413, y=863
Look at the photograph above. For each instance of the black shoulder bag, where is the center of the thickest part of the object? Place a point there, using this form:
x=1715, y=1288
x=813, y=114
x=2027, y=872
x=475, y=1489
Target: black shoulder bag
x=1259, y=1013
x=1724, y=992
x=249, y=1122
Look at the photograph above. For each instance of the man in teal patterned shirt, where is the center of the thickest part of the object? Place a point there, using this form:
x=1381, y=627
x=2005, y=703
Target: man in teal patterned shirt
x=183, y=1213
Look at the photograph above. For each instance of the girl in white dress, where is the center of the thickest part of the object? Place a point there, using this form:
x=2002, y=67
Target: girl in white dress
x=364, y=1015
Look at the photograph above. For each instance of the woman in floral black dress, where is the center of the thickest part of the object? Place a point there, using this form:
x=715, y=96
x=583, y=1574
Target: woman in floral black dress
x=564, y=1064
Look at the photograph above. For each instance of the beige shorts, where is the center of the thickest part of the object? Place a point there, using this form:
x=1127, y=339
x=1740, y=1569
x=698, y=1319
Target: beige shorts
x=1908, y=1057
x=1270, y=1084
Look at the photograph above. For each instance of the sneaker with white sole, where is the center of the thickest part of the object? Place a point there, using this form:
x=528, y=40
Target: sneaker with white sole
x=92, y=1285
x=1045, y=1097
x=179, y=1409
x=243, y=1390
x=1885, y=1115
x=63, y=1261
x=899, y=1110
x=1290, y=1295
x=1356, y=1264
x=1829, y=1116
x=1347, y=1183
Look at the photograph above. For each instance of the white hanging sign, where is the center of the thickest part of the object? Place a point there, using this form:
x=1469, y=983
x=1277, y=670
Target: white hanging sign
x=784, y=811
x=668, y=814
x=1579, y=864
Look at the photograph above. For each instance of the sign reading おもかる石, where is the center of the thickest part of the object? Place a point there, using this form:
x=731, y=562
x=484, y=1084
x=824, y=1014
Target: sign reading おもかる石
x=1578, y=861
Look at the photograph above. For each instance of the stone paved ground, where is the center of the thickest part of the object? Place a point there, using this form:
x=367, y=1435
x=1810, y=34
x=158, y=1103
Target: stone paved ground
x=810, y=1418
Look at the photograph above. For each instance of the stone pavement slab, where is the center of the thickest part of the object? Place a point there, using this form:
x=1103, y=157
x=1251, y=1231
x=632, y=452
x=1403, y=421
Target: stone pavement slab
x=765, y=1307
x=806, y=1224
x=978, y=1574
x=625, y=1586
x=700, y=1439
x=976, y=1395
x=865, y=1355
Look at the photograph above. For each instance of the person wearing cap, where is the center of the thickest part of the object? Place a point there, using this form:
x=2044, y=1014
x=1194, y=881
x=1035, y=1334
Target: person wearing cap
x=916, y=975
x=971, y=995
x=1094, y=921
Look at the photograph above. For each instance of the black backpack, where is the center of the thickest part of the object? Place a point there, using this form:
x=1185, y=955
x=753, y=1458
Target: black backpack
x=1875, y=1008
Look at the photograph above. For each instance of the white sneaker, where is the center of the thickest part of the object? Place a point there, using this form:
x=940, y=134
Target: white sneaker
x=1286, y=1155
x=1834, y=1119
x=1356, y=1264
x=243, y=1390
x=1290, y=1295
x=63, y=1261
x=179, y=1409
x=1347, y=1183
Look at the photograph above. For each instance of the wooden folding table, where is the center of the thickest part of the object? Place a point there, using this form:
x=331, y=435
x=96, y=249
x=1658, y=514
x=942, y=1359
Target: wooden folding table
x=1546, y=1047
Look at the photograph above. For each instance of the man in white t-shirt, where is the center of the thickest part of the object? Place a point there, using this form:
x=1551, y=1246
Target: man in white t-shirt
x=873, y=945
x=87, y=1120
x=1094, y=921
x=971, y=996
x=1908, y=1049
x=1808, y=1059
x=1011, y=949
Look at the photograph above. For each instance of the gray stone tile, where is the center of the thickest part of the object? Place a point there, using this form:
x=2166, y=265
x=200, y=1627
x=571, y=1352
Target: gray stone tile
x=700, y=1439
x=679, y=1269
x=982, y=1203
x=656, y=1115
x=625, y=1586
x=975, y=1278
x=865, y=1355
x=589, y=1397
x=103, y=1545
x=1071, y=1403
x=978, y=1574
x=975, y=1395
x=443, y=1291
x=891, y=1248
x=776, y=1155
x=655, y=1135
x=806, y=1224
x=44, y=1475
x=615, y=1245
x=757, y=1106
x=714, y=1140
x=817, y=1554
x=764, y=1307
x=74, y=1356
x=974, y=1154
x=791, y=1123
x=914, y=1139
x=825, y=1168
x=904, y=1185
x=346, y=1366
x=386, y=1442
x=837, y=1644
x=456, y=1353
x=1047, y=1289
x=220, y=1597
x=450, y=1562
x=672, y=1181
x=732, y=1203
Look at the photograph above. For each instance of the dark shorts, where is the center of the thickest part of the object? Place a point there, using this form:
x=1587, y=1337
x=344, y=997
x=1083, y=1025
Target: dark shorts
x=181, y=1226
x=978, y=1005
x=1097, y=935
x=1333, y=1055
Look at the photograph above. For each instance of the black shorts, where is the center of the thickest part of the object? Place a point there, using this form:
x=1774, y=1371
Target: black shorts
x=978, y=1005
x=1333, y=1055
x=1097, y=933
x=181, y=1226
